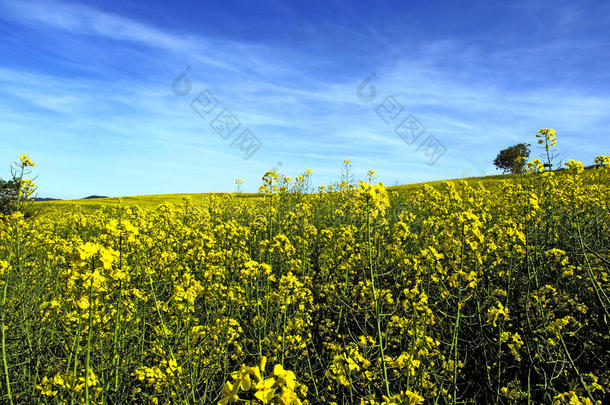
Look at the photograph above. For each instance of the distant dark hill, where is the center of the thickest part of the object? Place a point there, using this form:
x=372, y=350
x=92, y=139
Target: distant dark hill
x=95, y=196
x=47, y=199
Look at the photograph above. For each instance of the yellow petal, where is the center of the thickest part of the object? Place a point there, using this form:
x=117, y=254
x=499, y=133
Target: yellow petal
x=278, y=370
x=291, y=380
x=265, y=384
x=265, y=396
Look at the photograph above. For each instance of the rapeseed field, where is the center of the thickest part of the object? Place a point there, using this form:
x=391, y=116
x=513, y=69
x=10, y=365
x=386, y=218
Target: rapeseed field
x=477, y=291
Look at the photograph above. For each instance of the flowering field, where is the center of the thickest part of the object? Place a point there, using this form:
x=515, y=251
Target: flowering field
x=458, y=292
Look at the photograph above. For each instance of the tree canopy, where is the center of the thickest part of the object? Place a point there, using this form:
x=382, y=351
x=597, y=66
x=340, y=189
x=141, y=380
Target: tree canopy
x=512, y=159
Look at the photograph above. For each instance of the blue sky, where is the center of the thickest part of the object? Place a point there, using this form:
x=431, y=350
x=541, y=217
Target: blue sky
x=86, y=89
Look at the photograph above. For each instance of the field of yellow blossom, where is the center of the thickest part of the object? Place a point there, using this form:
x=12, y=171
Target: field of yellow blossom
x=473, y=291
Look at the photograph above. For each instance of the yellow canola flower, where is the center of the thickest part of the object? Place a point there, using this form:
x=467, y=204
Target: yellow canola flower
x=265, y=390
x=285, y=376
x=404, y=398
x=242, y=378
x=229, y=392
x=497, y=312
x=88, y=250
x=46, y=388
x=602, y=160
x=26, y=161
x=575, y=166
x=58, y=380
x=258, y=370
x=289, y=397
x=3, y=266
x=549, y=135
x=83, y=303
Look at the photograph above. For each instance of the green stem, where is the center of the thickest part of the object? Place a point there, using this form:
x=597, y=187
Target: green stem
x=4, y=360
x=456, y=331
x=377, y=316
x=88, y=344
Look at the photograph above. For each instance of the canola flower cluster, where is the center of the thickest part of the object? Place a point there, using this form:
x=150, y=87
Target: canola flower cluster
x=493, y=291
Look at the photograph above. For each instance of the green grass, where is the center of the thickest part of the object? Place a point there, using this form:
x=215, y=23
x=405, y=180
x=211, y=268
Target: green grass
x=154, y=200
x=142, y=201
